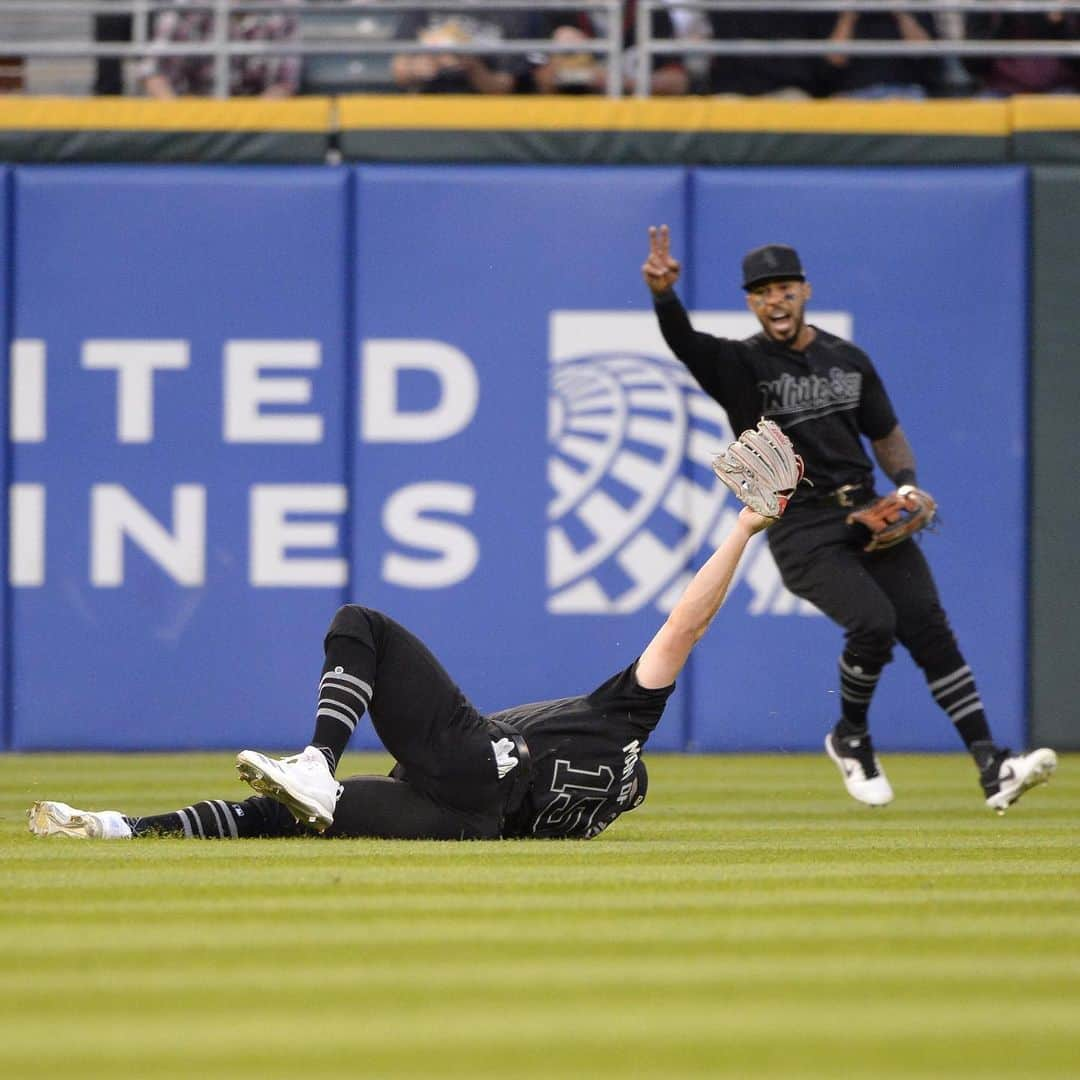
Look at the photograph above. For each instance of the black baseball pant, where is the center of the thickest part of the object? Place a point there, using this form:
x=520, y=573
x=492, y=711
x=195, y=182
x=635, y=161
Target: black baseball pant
x=877, y=598
x=445, y=785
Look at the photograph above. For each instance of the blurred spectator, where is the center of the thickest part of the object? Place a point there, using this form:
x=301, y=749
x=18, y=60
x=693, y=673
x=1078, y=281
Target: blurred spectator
x=956, y=80
x=881, y=76
x=693, y=24
x=461, y=73
x=586, y=72
x=109, y=70
x=12, y=74
x=1000, y=76
x=265, y=76
x=779, y=75
x=354, y=71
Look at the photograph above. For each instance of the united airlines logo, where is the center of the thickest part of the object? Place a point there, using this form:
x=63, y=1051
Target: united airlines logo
x=634, y=505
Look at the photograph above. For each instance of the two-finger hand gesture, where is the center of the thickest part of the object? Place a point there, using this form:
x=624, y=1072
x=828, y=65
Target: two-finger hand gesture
x=660, y=270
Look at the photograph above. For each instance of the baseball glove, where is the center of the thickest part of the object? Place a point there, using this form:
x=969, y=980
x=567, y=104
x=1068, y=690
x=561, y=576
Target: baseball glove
x=761, y=469
x=893, y=517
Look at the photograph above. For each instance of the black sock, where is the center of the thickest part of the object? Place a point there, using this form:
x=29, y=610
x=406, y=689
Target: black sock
x=217, y=819
x=858, y=681
x=345, y=691
x=985, y=753
x=169, y=824
x=956, y=693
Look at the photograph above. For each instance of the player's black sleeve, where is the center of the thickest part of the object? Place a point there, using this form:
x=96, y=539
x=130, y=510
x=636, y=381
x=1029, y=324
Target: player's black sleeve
x=876, y=415
x=716, y=363
x=630, y=708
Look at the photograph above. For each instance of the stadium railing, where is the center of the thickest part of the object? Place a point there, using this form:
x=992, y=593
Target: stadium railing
x=222, y=49
x=947, y=48
x=610, y=46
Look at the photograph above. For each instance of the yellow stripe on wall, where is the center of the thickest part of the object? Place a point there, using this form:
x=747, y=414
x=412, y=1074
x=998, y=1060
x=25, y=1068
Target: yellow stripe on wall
x=985, y=118
x=520, y=113
x=1049, y=113
x=186, y=114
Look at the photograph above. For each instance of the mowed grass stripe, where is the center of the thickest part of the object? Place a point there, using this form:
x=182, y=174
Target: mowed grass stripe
x=33, y=902
x=688, y=966
x=914, y=935
x=719, y=868
x=749, y=921
x=659, y=1034
x=667, y=1012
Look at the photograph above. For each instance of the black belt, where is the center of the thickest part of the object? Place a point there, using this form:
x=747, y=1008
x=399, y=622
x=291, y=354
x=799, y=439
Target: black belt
x=846, y=495
x=518, y=778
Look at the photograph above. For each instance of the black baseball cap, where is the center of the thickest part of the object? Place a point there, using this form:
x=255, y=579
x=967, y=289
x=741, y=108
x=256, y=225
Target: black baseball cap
x=773, y=262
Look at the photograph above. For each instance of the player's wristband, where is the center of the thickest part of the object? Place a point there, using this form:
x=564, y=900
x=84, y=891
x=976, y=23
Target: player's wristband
x=905, y=478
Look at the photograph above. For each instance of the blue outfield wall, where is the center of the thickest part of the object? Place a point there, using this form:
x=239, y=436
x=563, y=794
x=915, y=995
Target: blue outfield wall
x=930, y=266
x=152, y=291
x=5, y=306
x=246, y=395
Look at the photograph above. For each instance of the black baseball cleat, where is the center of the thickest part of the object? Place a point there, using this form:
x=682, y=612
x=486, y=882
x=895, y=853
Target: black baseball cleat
x=863, y=775
x=1009, y=775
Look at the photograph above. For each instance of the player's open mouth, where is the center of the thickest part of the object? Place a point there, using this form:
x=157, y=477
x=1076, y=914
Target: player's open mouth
x=780, y=322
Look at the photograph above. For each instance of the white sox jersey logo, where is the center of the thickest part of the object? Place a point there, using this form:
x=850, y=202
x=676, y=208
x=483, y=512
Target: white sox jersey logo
x=793, y=400
x=634, y=504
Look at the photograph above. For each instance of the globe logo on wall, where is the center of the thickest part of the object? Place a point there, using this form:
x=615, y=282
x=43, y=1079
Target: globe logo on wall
x=633, y=495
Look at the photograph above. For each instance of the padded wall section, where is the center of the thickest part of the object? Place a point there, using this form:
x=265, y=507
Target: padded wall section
x=521, y=436
x=183, y=526
x=929, y=267
x=247, y=395
x=590, y=129
x=197, y=130
x=5, y=310
x=1055, y=389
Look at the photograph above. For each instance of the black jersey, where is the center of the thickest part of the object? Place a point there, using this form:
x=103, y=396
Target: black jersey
x=824, y=398
x=586, y=757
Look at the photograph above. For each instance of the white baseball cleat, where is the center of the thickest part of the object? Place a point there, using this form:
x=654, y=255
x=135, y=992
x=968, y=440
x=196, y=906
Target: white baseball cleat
x=59, y=819
x=303, y=783
x=863, y=775
x=1013, y=774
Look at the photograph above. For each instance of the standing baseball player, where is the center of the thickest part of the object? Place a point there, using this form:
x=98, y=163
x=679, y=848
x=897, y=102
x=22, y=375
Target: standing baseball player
x=563, y=768
x=839, y=546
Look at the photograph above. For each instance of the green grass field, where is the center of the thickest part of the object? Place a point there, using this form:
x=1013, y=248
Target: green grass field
x=750, y=920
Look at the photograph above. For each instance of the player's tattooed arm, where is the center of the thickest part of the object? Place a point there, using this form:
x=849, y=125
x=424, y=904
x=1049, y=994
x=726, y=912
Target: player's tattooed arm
x=895, y=456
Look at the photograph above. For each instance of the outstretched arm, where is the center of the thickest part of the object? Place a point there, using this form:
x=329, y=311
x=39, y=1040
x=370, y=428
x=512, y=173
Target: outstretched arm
x=668, y=651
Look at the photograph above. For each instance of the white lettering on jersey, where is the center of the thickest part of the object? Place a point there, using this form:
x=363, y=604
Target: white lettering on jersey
x=629, y=781
x=810, y=396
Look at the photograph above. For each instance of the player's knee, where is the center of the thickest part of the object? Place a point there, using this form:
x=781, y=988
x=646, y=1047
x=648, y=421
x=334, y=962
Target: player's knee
x=873, y=640
x=352, y=623
x=352, y=620
x=934, y=646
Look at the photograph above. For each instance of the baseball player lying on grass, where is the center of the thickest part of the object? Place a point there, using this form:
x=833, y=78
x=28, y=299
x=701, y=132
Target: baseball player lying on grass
x=563, y=768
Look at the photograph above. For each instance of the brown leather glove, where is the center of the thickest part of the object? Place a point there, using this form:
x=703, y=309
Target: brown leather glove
x=892, y=518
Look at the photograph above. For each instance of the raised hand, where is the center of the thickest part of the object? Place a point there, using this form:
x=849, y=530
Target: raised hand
x=660, y=270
